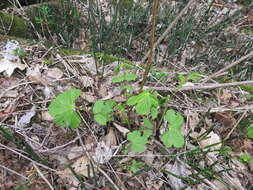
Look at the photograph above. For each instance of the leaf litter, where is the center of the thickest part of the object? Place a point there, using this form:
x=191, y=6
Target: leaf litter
x=108, y=144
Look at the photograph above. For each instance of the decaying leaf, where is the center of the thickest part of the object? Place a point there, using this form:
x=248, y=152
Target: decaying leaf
x=45, y=116
x=179, y=169
x=54, y=73
x=87, y=81
x=80, y=166
x=210, y=139
x=89, y=97
x=10, y=60
x=34, y=74
x=26, y=118
x=103, y=153
x=121, y=129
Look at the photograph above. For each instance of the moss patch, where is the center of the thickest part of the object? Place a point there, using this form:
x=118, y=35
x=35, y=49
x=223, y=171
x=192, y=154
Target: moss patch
x=105, y=57
x=13, y=25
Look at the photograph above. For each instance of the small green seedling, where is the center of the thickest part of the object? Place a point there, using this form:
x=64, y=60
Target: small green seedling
x=158, y=76
x=145, y=103
x=250, y=132
x=20, y=52
x=173, y=136
x=62, y=108
x=136, y=166
x=246, y=158
x=103, y=111
x=124, y=77
x=192, y=76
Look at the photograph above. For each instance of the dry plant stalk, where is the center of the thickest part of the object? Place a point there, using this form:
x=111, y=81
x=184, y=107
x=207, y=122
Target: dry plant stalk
x=152, y=41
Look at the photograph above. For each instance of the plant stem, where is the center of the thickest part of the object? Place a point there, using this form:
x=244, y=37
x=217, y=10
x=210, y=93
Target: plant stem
x=152, y=41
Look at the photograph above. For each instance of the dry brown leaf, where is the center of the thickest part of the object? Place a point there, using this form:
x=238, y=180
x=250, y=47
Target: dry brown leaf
x=45, y=116
x=210, y=139
x=89, y=97
x=87, y=81
x=7, y=82
x=192, y=119
x=120, y=98
x=80, y=166
x=110, y=138
x=26, y=118
x=225, y=118
x=179, y=169
x=9, y=61
x=34, y=75
x=103, y=153
x=8, y=111
x=226, y=97
x=121, y=129
x=54, y=73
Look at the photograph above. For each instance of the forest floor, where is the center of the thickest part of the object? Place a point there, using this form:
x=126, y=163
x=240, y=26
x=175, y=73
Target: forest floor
x=75, y=118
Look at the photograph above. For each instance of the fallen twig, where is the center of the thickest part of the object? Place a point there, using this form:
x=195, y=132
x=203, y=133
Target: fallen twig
x=249, y=55
x=200, y=87
x=14, y=172
x=42, y=176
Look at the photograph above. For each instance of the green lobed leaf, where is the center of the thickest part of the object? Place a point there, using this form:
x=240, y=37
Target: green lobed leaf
x=173, y=136
x=138, y=141
x=174, y=118
x=102, y=111
x=250, y=132
x=147, y=123
x=62, y=108
x=101, y=119
x=143, y=102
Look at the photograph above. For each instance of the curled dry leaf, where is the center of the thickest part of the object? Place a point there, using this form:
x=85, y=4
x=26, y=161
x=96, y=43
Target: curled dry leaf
x=54, y=73
x=80, y=166
x=34, y=75
x=225, y=118
x=7, y=111
x=121, y=129
x=210, y=139
x=103, y=153
x=89, y=97
x=45, y=116
x=10, y=60
x=26, y=118
x=87, y=81
x=110, y=138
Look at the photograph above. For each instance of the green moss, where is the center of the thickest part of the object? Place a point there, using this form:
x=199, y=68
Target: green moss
x=247, y=88
x=18, y=26
x=105, y=57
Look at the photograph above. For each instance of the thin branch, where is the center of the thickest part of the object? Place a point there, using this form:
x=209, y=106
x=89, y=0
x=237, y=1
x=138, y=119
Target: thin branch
x=249, y=55
x=237, y=123
x=152, y=41
x=27, y=158
x=14, y=172
x=170, y=27
x=42, y=176
x=200, y=87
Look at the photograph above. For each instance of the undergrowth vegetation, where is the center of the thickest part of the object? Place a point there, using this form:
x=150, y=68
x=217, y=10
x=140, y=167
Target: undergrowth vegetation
x=124, y=122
